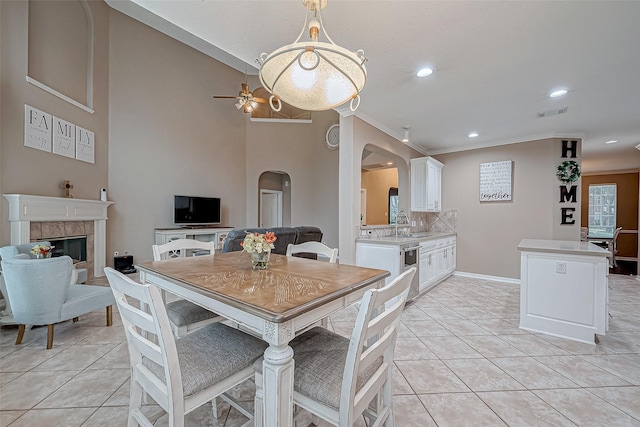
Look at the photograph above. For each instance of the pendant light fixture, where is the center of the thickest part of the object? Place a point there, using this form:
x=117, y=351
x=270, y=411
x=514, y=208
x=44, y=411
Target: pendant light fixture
x=405, y=136
x=313, y=75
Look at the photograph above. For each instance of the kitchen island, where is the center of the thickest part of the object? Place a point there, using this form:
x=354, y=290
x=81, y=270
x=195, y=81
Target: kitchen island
x=564, y=289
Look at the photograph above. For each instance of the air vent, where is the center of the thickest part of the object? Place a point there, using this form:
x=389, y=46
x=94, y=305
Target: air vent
x=553, y=112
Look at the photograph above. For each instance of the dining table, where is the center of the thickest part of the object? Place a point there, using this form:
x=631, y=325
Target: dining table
x=275, y=304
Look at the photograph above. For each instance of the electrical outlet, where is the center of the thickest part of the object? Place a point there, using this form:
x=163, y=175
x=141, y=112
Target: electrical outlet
x=561, y=267
x=116, y=253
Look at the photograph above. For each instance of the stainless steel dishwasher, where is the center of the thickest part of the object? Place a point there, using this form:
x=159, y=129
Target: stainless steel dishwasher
x=410, y=257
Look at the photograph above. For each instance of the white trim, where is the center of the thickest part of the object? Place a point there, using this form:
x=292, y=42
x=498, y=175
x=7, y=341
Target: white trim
x=58, y=94
x=267, y=120
x=88, y=107
x=159, y=23
x=487, y=277
x=90, y=36
x=516, y=140
x=25, y=208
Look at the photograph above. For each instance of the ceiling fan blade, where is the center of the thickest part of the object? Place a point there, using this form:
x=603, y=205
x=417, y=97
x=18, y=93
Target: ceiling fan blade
x=261, y=100
x=229, y=97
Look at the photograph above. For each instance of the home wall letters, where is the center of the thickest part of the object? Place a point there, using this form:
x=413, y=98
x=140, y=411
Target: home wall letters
x=568, y=172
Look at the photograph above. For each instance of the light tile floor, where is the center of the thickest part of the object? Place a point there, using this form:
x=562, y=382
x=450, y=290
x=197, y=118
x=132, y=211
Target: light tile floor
x=461, y=360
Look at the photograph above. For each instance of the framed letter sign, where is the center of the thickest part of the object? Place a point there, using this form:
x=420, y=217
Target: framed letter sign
x=37, y=129
x=495, y=181
x=64, y=135
x=85, y=145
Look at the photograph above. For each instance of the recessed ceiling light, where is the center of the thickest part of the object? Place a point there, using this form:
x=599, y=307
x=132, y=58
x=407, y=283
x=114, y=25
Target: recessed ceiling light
x=558, y=93
x=613, y=141
x=473, y=134
x=389, y=163
x=425, y=72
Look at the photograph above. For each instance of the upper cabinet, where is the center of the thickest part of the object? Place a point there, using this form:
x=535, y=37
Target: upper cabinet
x=426, y=173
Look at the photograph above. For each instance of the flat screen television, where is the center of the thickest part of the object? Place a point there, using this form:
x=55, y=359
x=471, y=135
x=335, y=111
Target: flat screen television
x=190, y=210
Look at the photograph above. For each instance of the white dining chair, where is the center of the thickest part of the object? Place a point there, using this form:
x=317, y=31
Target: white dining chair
x=613, y=247
x=319, y=249
x=185, y=316
x=179, y=375
x=340, y=379
x=314, y=248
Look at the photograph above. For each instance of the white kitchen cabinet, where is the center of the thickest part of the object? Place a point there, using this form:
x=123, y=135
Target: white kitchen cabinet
x=207, y=234
x=437, y=261
x=426, y=183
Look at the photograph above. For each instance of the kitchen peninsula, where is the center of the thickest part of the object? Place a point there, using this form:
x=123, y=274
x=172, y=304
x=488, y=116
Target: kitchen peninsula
x=564, y=289
x=432, y=253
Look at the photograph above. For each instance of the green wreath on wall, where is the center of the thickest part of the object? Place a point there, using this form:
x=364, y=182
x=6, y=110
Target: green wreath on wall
x=568, y=171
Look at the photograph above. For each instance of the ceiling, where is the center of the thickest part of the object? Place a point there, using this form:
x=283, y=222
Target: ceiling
x=495, y=63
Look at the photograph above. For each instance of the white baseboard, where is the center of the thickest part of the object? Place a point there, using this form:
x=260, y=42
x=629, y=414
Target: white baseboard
x=487, y=277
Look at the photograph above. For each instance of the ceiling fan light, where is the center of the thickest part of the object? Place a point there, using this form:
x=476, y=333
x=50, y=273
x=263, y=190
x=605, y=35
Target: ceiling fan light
x=314, y=75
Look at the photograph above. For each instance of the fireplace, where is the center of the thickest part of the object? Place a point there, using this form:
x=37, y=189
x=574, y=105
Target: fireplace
x=74, y=247
x=39, y=218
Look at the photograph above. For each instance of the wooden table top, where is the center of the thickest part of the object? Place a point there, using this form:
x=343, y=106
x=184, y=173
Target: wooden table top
x=289, y=287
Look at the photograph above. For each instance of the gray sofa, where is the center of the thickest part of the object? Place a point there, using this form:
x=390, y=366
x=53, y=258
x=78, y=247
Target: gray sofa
x=284, y=236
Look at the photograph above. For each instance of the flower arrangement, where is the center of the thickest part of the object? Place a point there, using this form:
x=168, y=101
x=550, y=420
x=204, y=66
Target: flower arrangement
x=568, y=171
x=258, y=243
x=41, y=251
x=259, y=246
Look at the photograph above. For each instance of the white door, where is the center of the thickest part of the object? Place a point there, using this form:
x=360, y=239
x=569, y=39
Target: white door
x=270, y=208
x=363, y=206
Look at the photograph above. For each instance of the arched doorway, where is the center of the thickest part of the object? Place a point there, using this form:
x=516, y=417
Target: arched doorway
x=379, y=178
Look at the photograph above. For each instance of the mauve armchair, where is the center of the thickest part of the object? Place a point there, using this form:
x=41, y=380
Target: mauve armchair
x=41, y=294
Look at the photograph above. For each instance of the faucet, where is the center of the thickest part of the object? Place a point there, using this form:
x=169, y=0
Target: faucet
x=402, y=216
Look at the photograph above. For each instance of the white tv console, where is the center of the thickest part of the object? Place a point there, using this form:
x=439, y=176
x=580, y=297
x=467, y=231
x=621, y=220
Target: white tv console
x=205, y=234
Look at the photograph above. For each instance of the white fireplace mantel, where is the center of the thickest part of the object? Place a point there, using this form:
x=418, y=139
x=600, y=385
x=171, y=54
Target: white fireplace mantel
x=25, y=208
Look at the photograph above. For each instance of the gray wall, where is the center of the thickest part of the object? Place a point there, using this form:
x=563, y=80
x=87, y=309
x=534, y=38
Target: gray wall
x=167, y=134
x=159, y=132
x=300, y=151
x=489, y=232
x=29, y=171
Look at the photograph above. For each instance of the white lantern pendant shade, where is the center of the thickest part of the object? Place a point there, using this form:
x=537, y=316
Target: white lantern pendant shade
x=314, y=75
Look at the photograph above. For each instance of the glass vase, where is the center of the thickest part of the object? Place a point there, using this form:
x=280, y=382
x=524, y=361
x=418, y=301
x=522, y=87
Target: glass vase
x=260, y=260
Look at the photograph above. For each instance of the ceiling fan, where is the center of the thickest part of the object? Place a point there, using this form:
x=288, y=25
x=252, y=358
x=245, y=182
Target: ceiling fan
x=246, y=100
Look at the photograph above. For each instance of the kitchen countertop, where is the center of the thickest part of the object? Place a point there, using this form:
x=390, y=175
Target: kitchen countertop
x=562, y=246
x=413, y=238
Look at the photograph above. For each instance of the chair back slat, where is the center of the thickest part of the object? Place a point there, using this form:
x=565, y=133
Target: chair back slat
x=136, y=316
x=180, y=247
x=392, y=311
x=372, y=341
x=314, y=248
x=368, y=391
x=139, y=326
x=375, y=351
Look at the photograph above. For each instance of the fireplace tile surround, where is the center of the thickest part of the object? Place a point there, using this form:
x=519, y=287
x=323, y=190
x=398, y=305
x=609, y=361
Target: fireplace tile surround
x=35, y=218
x=51, y=230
